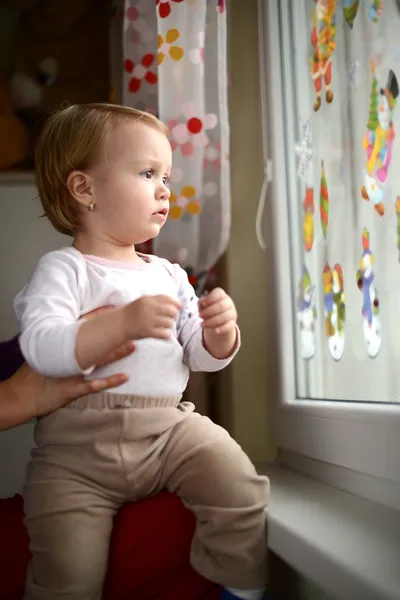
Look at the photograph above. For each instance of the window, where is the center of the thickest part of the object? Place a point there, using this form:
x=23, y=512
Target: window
x=335, y=201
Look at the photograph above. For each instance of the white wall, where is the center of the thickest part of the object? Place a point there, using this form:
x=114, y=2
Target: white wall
x=24, y=237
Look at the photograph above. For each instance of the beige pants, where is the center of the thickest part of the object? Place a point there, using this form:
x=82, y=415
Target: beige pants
x=105, y=450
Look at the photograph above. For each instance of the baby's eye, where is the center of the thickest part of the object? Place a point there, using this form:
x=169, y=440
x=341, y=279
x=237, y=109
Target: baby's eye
x=148, y=173
x=166, y=180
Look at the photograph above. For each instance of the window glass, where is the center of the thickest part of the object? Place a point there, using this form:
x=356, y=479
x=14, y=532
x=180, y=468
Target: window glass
x=341, y=76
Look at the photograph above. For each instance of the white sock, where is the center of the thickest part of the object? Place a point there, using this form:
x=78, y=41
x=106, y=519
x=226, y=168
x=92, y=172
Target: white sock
x=247, y=594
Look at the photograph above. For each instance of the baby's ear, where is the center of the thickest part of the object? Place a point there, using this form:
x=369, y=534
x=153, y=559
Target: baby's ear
x=80, y=186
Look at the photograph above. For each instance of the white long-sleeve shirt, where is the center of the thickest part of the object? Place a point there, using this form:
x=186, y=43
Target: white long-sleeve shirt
x=67, y=284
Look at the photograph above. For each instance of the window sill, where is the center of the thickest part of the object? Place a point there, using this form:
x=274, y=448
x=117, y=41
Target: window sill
x=348, y=546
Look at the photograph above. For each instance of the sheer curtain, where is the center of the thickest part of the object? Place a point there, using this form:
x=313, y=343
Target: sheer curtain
x=340, y=62
x=173, y=62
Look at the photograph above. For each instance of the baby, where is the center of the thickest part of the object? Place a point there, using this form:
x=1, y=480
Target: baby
x=102, y=175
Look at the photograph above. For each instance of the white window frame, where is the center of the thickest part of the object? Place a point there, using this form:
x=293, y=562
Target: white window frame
x=362, y=437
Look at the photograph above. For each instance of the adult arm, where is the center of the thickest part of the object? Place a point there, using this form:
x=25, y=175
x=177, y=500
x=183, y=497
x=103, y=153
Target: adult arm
x=27, y=395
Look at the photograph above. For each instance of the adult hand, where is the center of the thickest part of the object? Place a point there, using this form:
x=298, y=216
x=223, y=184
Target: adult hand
x=27, y=394
x=48, y=394
x=35, y=396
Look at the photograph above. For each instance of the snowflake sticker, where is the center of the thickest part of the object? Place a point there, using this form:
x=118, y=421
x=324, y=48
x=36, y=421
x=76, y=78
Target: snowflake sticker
x=353, y=73
x=303, y=148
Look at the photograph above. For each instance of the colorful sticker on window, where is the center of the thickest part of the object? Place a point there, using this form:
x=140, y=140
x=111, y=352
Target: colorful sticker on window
x=306, y=315
x=375, y=10
x=350, y=9
x=324, y=201
x=334, y=309
x=323, y=41
x=379, y=138
x=308, y=219
x=370, y=301
x=397, y=206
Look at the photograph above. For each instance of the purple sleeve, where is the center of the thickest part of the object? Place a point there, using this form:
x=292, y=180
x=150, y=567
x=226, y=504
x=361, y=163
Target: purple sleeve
x=10, y=358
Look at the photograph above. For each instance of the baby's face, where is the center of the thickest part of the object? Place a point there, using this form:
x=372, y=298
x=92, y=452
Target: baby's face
x=130, y=184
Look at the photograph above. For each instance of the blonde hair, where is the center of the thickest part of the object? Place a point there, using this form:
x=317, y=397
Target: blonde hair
x=73, y=139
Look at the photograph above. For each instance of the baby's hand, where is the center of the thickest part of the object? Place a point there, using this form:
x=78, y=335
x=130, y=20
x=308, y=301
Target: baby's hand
x=151, y=317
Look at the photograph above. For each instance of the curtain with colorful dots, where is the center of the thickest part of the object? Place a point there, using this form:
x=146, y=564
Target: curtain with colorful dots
x=174, y=64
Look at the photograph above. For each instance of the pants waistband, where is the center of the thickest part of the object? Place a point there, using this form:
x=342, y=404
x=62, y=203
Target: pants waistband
x=110, y=400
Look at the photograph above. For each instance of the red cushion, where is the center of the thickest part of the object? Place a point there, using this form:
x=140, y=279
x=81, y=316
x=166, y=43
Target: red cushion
x=14, y=553
x=149, y=554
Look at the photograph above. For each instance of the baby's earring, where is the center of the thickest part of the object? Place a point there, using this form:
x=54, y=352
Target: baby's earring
x=91, y=206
